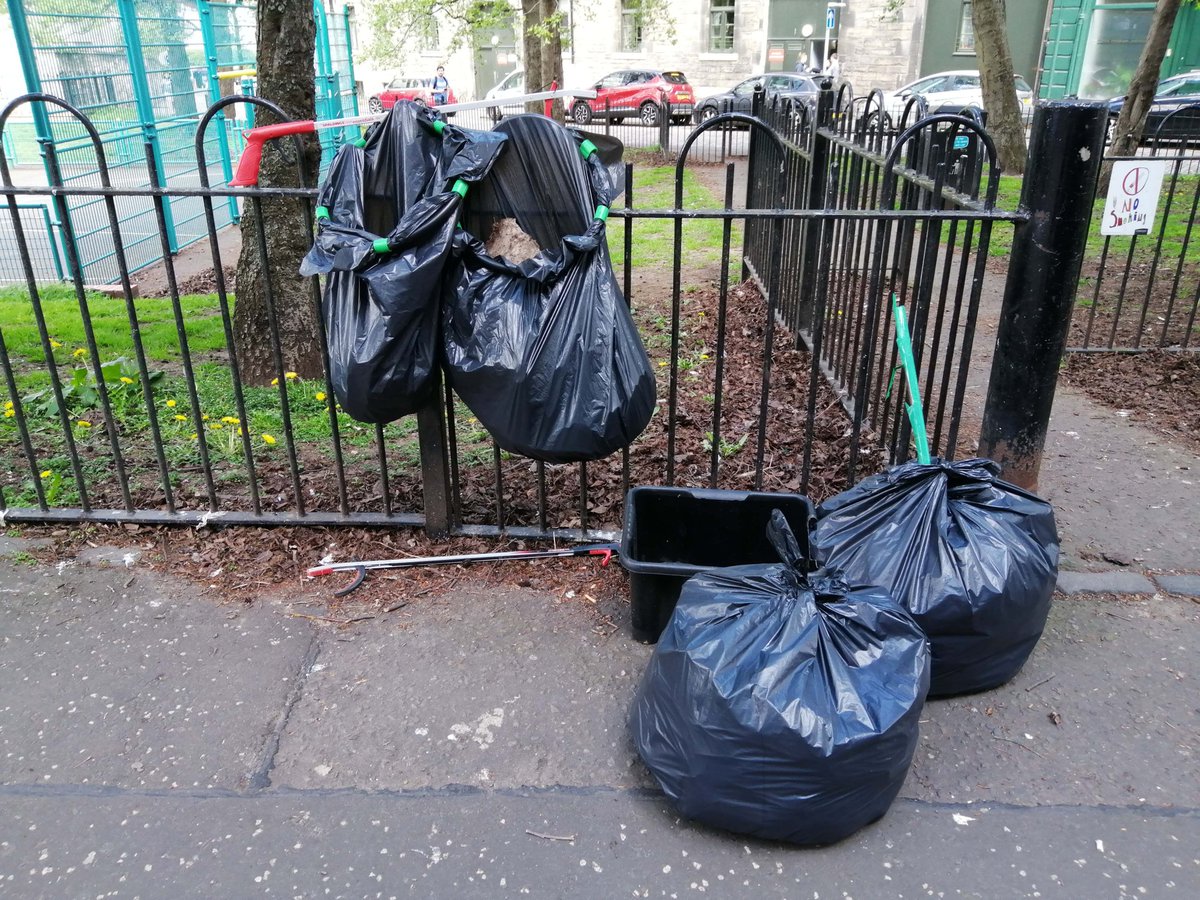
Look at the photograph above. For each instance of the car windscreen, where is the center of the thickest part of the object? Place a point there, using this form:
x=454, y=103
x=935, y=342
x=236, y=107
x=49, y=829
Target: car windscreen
x=674, y=78
x=1022, y=84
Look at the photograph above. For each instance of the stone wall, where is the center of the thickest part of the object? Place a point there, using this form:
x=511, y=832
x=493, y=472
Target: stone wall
x=881, y=48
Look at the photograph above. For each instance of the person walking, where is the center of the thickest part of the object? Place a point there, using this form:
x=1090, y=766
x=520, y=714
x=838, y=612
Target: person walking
x=833, y=68
x=440, y=86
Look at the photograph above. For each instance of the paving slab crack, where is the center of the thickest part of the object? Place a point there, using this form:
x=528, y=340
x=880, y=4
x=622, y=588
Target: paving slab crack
x=260, y=778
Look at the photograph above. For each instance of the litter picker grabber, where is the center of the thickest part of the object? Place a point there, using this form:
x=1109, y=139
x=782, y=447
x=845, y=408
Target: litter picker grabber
x=247, y=167
x=604, y=551
x=916, y=414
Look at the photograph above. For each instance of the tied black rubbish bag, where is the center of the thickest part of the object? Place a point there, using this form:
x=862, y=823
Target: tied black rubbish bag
x=543, y=350
x=392, y=207
x=782, y=704
x=973, y=558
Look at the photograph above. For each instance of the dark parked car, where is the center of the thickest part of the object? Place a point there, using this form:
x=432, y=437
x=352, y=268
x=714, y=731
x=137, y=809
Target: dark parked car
x=636, y=92
x=789, y=88
x=1179, y=92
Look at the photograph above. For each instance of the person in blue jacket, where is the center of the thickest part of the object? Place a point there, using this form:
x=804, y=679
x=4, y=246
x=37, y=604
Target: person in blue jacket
x=440, y=86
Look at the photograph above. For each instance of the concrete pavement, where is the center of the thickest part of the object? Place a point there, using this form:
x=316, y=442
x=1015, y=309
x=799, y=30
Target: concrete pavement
x=157, y=743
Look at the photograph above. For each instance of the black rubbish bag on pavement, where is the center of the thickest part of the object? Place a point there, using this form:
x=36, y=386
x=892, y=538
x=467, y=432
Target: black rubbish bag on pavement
x=782, y=704
x=543, y=350
x=973, y=558
x=386, y=219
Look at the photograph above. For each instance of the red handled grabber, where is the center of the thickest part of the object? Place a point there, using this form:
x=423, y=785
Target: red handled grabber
x=604, y=551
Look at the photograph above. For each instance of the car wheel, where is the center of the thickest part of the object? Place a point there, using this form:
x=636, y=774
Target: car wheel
x=495, y=114
x=648, y=113
x=375, y=105
x=707, y=113
x=581, y=113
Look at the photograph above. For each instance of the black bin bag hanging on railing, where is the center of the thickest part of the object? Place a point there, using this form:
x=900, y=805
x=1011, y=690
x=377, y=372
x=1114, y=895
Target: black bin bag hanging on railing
x=385, y=223
x=544, y=350
x=973, y=558
x=780, y=703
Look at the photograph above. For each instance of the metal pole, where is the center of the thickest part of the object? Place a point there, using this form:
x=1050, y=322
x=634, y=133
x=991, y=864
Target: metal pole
x=208, y=36
x=1047, y=253
x=144, y=102
x=815, y=198
x=348, y=15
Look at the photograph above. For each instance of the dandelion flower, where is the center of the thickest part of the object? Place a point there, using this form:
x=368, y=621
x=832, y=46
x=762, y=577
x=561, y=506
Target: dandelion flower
x=230, y=420
x=171, y=404
x=180, y=418
x=704, y=356
x=54, y=344
x=290, y=376
x=127, y=380
x=320, y=395
x=274, y=381
x=9, y=413
x=47, y=474
x=194, y=436
x=204, y=417
x=662, y=363
x=84, y=423
x=268, y=439
x=8, y=404
x=79, y=352
x=217, y=426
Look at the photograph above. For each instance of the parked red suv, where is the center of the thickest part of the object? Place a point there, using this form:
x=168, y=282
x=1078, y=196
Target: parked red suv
x=636, y=92
x=415, y=89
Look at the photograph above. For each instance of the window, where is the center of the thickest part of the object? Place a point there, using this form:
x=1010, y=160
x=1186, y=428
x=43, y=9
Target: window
x=428, y=39
x=966, y=30
x=720, y=26
x=631, y=26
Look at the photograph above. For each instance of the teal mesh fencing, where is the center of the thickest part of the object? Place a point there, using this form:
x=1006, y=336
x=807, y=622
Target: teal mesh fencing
x=144, y=72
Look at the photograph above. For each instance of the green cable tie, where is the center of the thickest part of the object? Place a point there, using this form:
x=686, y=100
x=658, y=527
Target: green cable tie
x=360, y=142
x=916, y=414
x=460, y=187
x=439, y=126
x=601, y=213
x=322, y=212
x=381, y=245
x=587, y=148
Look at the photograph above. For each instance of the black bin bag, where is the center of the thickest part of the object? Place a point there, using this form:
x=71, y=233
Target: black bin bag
x=544, y=350
x=782, y=704
x=973, y=558
x=384, y=244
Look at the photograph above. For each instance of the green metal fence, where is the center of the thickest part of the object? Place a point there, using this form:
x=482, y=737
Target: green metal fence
x=144, y=71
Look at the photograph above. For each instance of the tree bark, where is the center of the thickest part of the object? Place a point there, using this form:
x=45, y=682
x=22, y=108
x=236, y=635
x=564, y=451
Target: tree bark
x=552, y=62
x=286, y=45
x=1004, y=121
x=1131, y=122
x=531, y=43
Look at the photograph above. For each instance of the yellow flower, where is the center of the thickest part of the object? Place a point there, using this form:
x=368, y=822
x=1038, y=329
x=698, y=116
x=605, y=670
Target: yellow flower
x=230, y=420
x=704, y=356
x=84, y=423
x=274, y=381
x=171, y=404
x=79, y=351
x=54, y=344
x=179, y=418
x=125, y=380
x=320, y=395
x=662, y=363
x=701, y=314
x=204, y=417
x=9, y=413
x=217, y=426
x=268, y=439
x=8, y=404
x=47, y=474
x=194, y=436
x=290, y=375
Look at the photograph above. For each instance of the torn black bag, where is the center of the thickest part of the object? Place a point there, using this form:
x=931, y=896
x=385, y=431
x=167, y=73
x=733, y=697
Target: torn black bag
x=544, y=351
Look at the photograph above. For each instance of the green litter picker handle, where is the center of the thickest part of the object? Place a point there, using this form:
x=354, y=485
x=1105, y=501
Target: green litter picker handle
x=916, y=414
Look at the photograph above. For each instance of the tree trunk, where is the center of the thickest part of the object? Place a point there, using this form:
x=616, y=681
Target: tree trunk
x=552, y=64
x=286, y=44
x=531, y=42
x=1004, y=121
x=1131, y=122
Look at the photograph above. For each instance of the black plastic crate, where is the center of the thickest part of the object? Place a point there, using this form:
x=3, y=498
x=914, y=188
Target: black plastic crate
x=672, y=533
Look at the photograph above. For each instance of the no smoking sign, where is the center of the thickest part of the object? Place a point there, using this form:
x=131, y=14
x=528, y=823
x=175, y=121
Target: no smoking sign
x=1133, y=196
